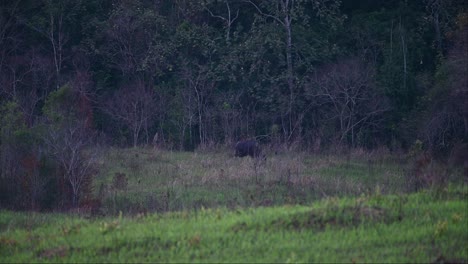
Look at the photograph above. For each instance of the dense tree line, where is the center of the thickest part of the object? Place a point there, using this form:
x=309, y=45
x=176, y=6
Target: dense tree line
x=193, y=73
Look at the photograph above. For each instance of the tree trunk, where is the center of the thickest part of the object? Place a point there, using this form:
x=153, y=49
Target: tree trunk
x=403, y=47
x=290, y=73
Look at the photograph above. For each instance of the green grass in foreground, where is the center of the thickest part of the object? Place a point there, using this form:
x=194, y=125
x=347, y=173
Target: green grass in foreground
x=423, y=227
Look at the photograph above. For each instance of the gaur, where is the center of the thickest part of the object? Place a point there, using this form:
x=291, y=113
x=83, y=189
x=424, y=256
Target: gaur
x=248, y=147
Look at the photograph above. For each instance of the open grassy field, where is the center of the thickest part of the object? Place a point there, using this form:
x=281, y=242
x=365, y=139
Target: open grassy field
x=163, y=206
x=147, y=180
x=426, y=226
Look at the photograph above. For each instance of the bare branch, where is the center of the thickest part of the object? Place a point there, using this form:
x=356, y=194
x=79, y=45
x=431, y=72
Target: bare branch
x=277, y=19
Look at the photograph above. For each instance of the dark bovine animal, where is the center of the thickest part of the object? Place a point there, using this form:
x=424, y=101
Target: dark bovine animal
x=248, y=148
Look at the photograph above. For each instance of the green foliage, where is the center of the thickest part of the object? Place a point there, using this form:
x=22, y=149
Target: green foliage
x=60, y=106
x=28, y=177
x=443, y=106
x=12, y=123
x=256, y=56
x=12, y=127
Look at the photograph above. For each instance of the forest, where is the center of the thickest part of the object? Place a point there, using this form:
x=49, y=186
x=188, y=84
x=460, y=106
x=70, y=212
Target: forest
x=189, y=75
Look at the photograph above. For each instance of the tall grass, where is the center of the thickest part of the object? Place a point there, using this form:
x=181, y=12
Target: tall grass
x=161, y=181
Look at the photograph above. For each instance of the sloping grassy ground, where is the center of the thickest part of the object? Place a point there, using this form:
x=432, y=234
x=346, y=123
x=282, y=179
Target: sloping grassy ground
x=421, y=227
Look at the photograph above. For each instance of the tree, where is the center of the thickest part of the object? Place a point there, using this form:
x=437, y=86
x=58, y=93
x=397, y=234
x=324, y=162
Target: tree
x=439, y=13
x=134, y=106
x=446, y=123
x=134, y=41
x=22, y=184
x=56, y=21
x=349, y=98
x=285, y=10
x=69, y=144
x=8, y=35
x=228, y=19
x=69, y=139
x=290, y=15
x=11, y=123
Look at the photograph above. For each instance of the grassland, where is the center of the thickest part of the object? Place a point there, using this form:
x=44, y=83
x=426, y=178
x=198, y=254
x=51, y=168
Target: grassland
x=421, y=227
x=162, y=206
x=161, y=181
